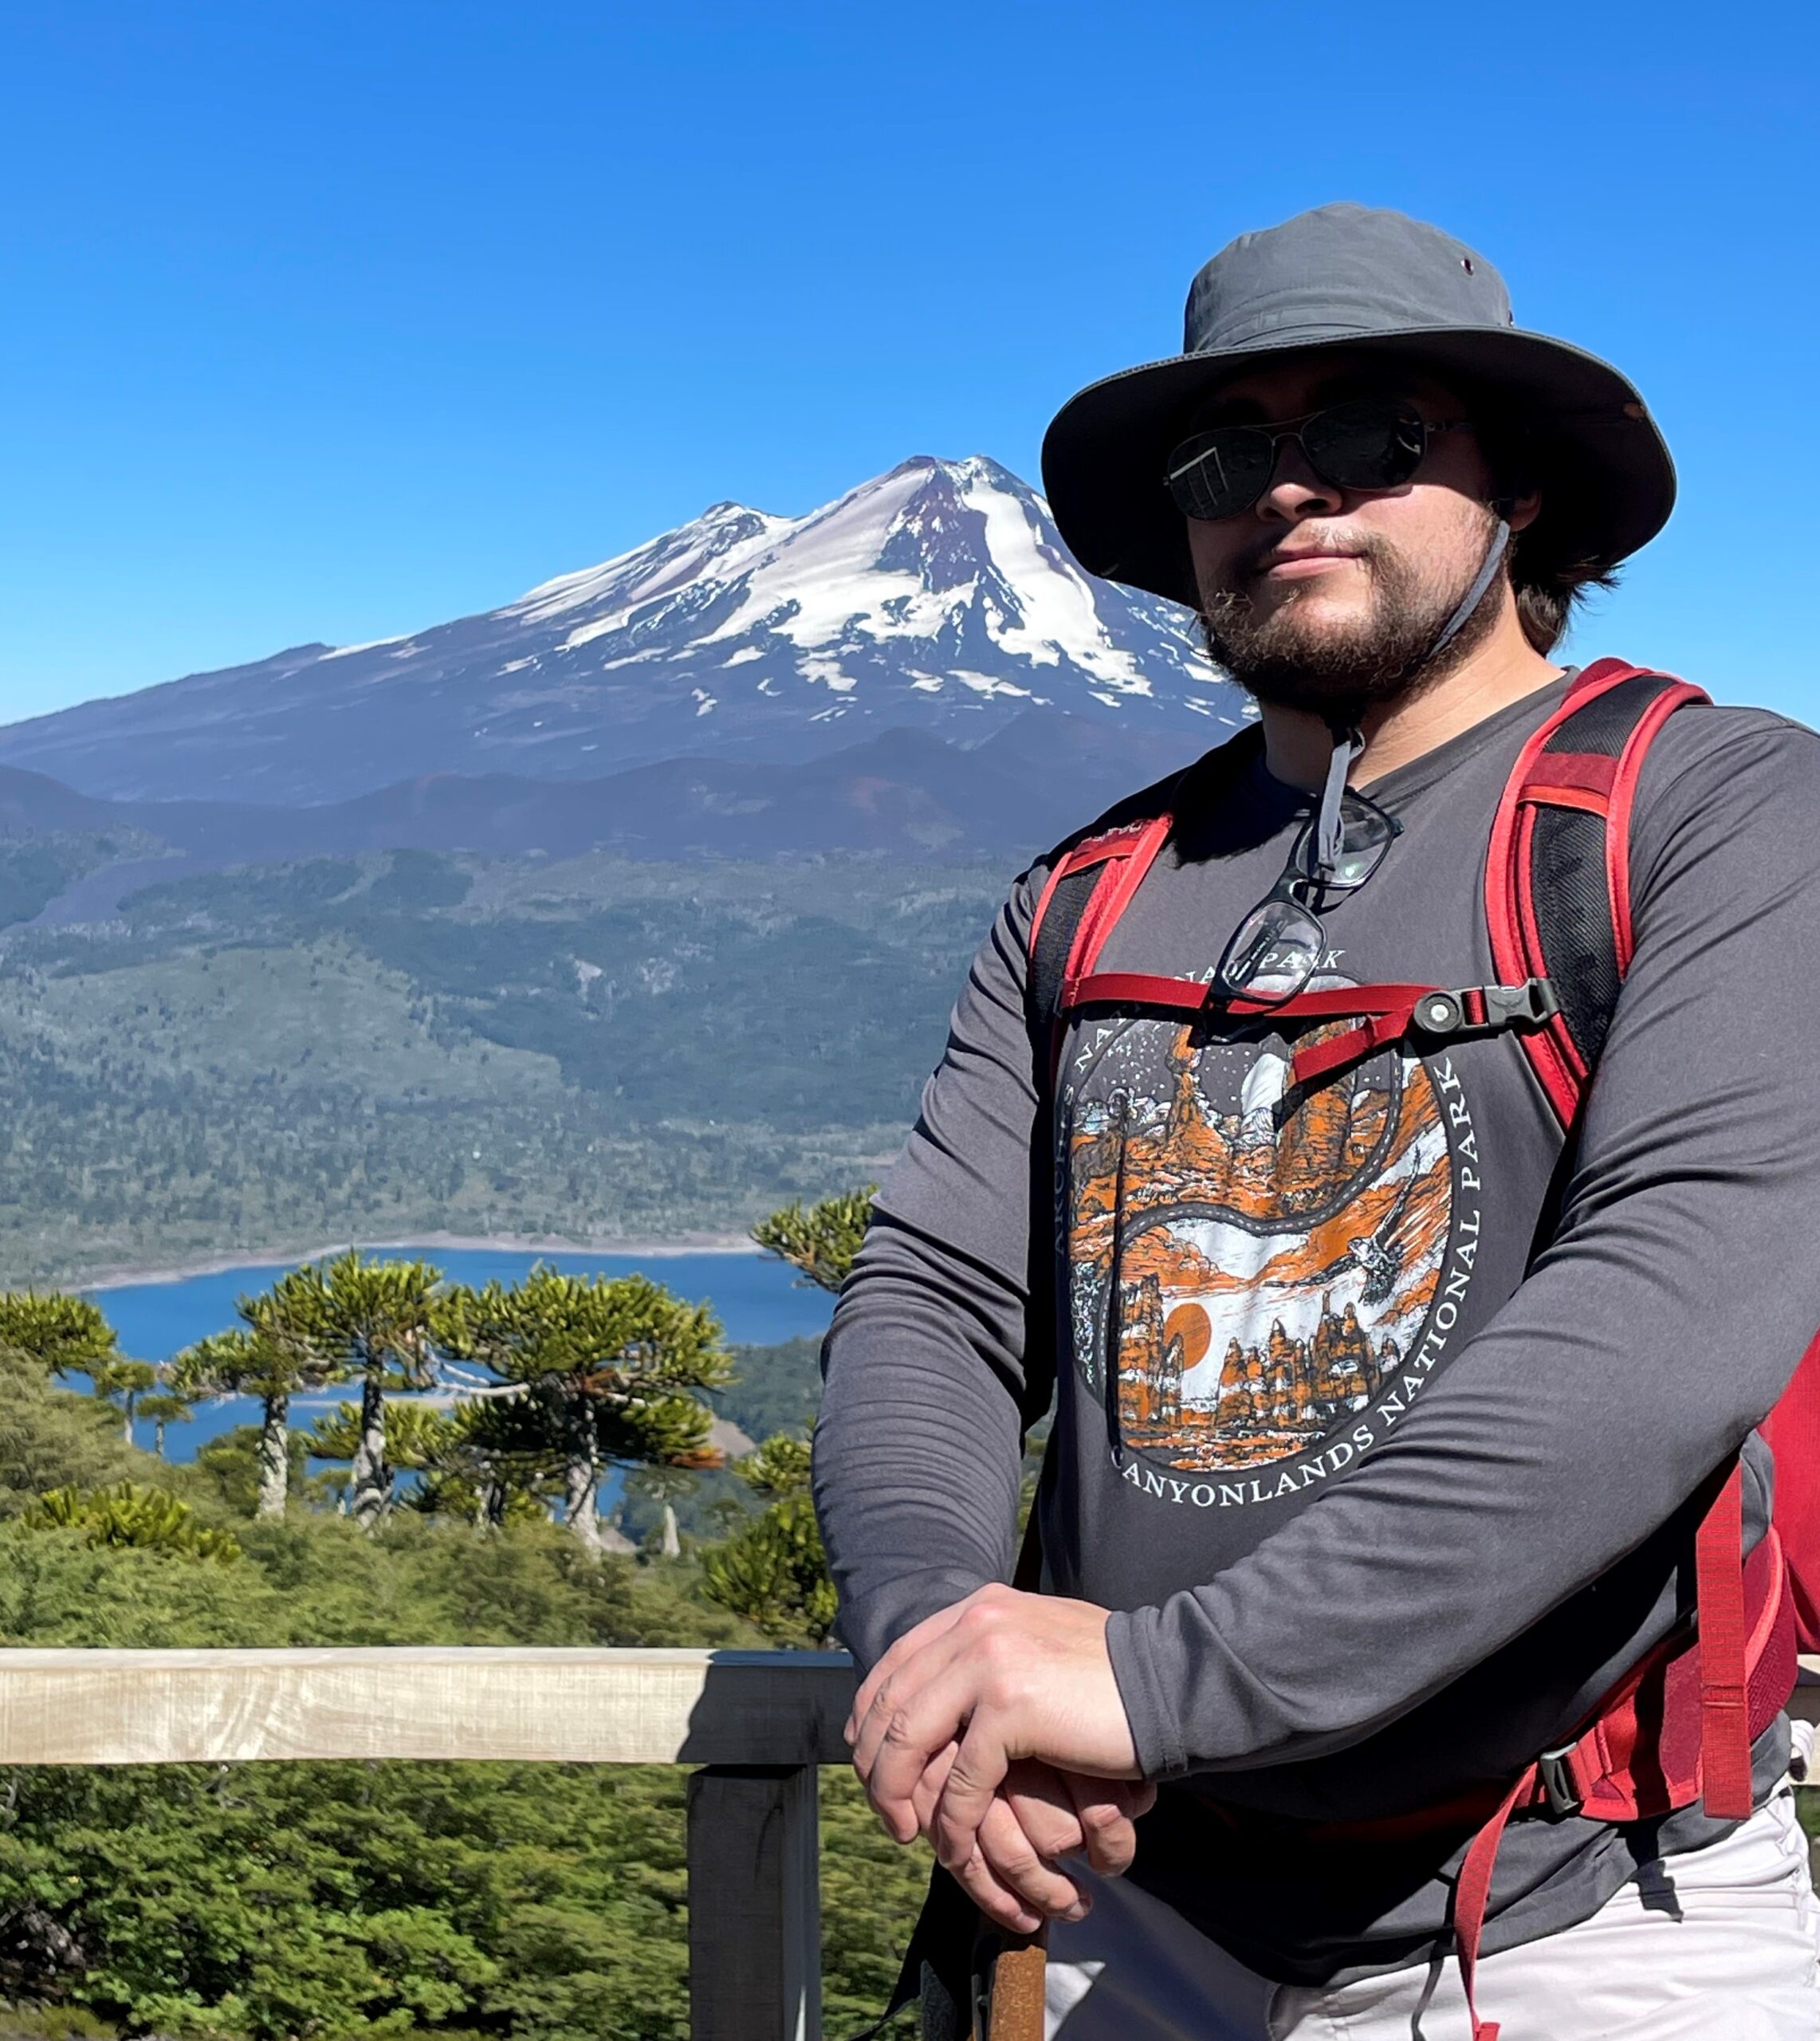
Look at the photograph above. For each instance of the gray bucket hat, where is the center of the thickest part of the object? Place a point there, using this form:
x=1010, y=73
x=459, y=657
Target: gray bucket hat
x=1375, y=283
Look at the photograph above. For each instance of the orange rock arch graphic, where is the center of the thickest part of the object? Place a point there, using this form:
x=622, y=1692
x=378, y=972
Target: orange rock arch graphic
x=1259, y=1270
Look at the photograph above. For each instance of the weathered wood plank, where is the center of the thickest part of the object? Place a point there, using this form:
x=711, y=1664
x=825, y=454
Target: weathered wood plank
x=600, y=1707
x=754, y=1905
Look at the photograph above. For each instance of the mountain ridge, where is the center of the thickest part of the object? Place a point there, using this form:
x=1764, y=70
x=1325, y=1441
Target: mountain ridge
x=937, y=596
x=905, y=794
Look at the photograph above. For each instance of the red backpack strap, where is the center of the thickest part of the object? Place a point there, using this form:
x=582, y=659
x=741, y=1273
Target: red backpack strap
x=1088, y=889
x=1725, y=1728
x=1564, y=820
x=1558, y=906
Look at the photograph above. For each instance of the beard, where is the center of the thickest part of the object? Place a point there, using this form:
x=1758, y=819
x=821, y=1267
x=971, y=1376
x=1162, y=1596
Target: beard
x=1379, y=655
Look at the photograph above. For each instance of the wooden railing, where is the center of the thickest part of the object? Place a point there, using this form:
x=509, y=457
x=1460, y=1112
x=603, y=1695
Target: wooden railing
x=757, y=1724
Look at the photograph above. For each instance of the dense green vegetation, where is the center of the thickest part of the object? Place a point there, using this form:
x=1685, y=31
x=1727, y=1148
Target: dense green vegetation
x=389, y=1047
x=354, y=1901
x=398, y=1045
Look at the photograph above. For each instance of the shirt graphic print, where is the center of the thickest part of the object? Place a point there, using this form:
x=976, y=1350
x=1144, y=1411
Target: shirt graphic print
x=1261, y=1262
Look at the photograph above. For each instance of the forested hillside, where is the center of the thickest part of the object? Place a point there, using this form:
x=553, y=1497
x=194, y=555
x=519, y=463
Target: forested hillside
x=343, y=1901
x=399, y=1044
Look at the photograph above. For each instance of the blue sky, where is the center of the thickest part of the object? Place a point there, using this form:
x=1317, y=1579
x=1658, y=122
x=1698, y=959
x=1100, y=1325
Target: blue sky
x=328, y=322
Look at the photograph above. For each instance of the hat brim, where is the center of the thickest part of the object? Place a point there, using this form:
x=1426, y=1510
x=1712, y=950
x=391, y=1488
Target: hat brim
x=1607, y=480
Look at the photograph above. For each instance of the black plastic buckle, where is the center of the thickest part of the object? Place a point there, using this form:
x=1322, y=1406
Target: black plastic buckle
x=1557, y=1782
x=1527, y=1005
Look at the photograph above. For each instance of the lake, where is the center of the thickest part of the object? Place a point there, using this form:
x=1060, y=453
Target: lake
x=758, y=1300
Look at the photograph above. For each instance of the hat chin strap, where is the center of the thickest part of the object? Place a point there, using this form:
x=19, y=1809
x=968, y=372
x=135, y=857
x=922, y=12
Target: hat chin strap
x=1348, y=744
x=1474, y=596
x=1329, y=817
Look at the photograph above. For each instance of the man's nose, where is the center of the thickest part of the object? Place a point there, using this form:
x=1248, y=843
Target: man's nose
x=1295, y=491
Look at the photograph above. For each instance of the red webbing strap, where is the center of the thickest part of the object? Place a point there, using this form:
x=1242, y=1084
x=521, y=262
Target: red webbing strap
x=1510, y=918
x=1321, y=1058
x=1384, y=1012
x=1332, y=1002
x=1134, y=988
x=1339, y=1002
x=1124, y=855
x=1471, y=1895
x=1553, y=1054
x=1110, y=843
x=1561, y=772
x=1724, y=1673
x=1623, y=801
x=1118, y=885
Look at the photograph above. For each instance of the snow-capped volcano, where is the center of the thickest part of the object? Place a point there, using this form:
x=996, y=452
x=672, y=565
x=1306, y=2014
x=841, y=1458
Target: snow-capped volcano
x=937, y=597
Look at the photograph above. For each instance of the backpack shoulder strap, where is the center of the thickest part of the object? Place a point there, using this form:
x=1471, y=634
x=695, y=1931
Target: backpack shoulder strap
x=1096, y=879
x=1558, y=874
x=1558, y=906
x=1088, y=891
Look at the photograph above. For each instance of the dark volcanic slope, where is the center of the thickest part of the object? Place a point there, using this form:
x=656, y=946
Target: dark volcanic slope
x=903, y=791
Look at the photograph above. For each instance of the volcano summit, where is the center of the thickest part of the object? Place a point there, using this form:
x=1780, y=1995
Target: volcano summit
x=937, y=598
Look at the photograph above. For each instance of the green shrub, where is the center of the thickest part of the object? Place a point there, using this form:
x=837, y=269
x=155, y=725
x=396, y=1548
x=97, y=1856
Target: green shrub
x=132, y=1514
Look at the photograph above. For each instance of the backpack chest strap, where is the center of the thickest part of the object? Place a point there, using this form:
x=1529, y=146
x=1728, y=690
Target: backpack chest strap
x=1383, y=1013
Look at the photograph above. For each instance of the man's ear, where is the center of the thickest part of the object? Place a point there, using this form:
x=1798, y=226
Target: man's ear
x=1520, y=512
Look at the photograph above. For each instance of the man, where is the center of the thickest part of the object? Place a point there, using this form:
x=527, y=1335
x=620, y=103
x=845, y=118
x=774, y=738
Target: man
x=1385, y=1415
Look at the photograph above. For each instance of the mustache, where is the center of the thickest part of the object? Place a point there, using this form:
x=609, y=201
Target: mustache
x=1235, y=599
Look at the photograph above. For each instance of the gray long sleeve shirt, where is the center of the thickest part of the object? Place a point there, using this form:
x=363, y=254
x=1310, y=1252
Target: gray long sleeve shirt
x=1395, y=1469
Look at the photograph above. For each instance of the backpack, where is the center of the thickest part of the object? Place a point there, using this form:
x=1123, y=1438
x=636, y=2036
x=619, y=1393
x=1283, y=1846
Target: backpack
x=1679, y=1727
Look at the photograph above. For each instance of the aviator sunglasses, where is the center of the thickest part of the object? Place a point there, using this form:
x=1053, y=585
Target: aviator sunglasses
x=1279, y=945
x=1372, y=443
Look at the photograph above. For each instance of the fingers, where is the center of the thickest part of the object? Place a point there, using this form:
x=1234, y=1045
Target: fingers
x=1045, y=1807
x=928, y=1791
x=894, y=1690
x=898, y=1742
x=905, y=1648
x=1020, y=1869
x=996, y=1902
x=976, y=1774
x=1105, y=1811
x=1037, y=1817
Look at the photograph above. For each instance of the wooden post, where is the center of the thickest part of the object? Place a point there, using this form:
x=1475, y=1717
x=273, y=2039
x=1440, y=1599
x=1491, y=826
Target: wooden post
x=754, y=1905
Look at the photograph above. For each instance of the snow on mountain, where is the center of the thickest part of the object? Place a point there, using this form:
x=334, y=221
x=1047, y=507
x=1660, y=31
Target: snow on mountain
x=937, y=597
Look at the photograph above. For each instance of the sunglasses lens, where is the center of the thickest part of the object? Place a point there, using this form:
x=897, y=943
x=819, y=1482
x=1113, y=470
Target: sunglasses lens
x=1274, y=954
x=1372, y=444
x=1219, y=473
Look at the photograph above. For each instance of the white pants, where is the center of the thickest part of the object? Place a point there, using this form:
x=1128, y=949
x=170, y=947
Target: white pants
x=1735, y=1957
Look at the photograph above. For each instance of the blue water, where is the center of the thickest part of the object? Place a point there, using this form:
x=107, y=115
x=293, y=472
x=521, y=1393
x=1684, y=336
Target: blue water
x=758, y=1301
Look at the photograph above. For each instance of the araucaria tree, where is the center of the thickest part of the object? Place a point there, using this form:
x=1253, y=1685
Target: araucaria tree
x=125, y=1384
x=773, y=1571
x=420, y=1440
x=821, y=1242
x=589, y=1372
x=359, y=1320
x=68, y=1335
x=259, y=1358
